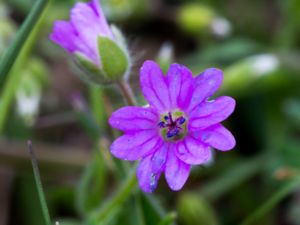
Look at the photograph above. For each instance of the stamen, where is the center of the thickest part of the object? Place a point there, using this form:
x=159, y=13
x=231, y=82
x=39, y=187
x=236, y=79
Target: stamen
x=173, y=132
x=173, y=127
x=162, y=124
x=170, y=117
x=181, y=120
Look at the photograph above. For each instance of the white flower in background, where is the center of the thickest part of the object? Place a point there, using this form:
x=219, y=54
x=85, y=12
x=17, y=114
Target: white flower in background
x=28, y=99
x=265, y=64
x=221, y=27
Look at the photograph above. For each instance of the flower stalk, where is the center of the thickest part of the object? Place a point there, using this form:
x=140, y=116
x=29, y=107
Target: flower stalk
x=127, y=92
x=118, y=199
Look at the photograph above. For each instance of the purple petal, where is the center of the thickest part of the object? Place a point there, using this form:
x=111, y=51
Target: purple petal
x=176, y=171
x=206, y=84
x=150, y=169
x=132, y=118
x=211, y=112
x=63, y=34
x=192, y=151
x=180, y=82
x=218, y=137
x=136, y=145
x=154, y=87
x=102, y=22
x=88, y=28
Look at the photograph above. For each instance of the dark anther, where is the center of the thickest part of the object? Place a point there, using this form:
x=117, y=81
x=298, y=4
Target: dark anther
x=161, y=124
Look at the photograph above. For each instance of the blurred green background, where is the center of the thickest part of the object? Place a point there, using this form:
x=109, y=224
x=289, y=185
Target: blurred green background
x=256, y=43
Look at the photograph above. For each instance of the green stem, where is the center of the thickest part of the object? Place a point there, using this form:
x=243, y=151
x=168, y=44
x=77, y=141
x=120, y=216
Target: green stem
x=268, y=205
x=21, y=37
x=95, y=94
x=39, y=184
x=118, y=199
x=127, y=92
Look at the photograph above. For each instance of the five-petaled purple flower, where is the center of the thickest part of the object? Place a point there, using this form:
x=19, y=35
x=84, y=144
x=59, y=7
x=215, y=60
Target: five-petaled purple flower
x=177, y=129
x=79, y=35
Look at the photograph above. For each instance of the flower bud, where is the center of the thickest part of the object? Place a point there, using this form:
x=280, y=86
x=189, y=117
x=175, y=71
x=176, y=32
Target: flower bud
x=195, y=18
x=100, y=50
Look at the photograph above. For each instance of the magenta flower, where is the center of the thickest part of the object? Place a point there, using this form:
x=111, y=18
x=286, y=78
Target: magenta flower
x=179, y=127
x=79, y=35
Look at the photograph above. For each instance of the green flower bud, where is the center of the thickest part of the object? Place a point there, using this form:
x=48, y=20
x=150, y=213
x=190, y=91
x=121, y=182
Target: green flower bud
x=115, y=60
x=195, y=18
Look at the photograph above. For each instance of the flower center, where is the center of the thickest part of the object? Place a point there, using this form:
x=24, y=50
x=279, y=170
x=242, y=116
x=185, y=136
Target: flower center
x=173, y=126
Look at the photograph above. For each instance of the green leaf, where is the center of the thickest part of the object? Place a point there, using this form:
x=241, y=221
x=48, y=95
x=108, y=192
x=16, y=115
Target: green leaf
x=92, y=185
x=168, y=219
x=90, y=72
x=21, y=37
x=286, y=189
x=114, y=60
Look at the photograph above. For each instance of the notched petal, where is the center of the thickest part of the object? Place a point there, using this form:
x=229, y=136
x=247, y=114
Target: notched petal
x=133, y=118
x=211, y=112
x=176, y=171
x=192, y=151
x=150, y=169
x=154, y=86
x=206, y=84
x=134, y=146
x=218, y=137
x=180, y=83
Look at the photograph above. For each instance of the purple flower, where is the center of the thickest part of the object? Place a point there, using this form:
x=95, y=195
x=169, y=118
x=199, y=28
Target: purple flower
x=79, y=35
x=179, y=127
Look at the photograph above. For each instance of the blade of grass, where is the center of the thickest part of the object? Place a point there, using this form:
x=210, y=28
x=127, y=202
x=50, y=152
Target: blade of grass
x=9, y=89
x=38, y=183
x=21, y=37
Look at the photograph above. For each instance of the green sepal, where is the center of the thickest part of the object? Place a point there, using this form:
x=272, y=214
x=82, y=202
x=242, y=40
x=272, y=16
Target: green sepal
x=115, y=61
x=92, y=73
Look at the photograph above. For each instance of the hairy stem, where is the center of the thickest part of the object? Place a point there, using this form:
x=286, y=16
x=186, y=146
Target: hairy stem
x=127, y=92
